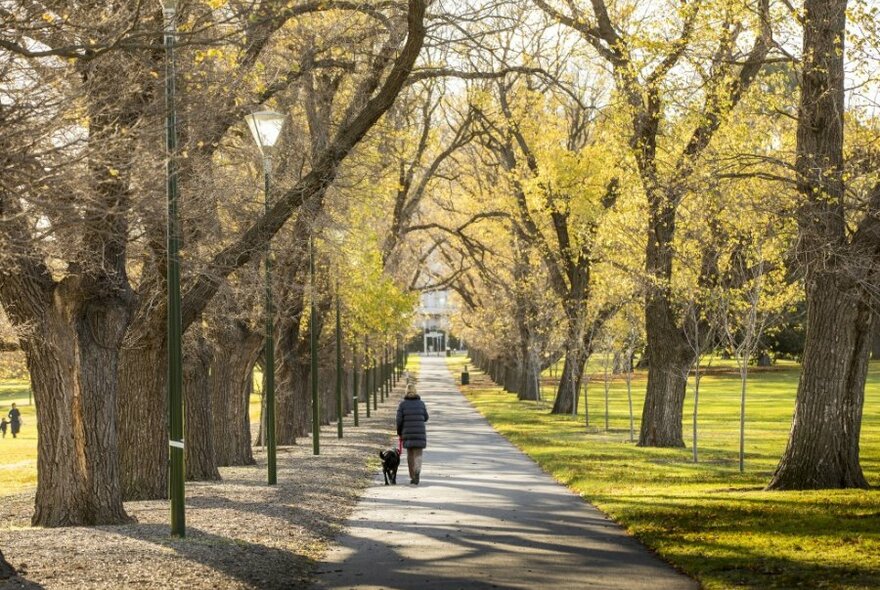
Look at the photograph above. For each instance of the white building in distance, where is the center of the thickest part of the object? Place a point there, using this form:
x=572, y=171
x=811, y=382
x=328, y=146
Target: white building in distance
x=432, y=316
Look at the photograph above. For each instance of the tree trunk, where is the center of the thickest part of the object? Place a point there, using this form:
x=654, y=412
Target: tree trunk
x=73, y=362
x=823, y=448
x=577, y=352
x=143, y=416
x=294, y=401
x=6, y=570
x=670, y=364
x=511, y=375
x=200, y=460
x=529, y=374
x=327, y=385
x=231, y=384
x=289, y=378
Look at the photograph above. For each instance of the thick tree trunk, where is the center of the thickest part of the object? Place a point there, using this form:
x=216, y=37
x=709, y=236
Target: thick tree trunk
x=577, y=352
x=528, y=382
x=528, y=374
x=570, y=382
x=73, y=361
x=200, y=462
x=289, y=378
x=666, y=346
x=823, y=448
x=143, y=417
x=671, y=360
x=327, y=390
x=511, y=375
x=293, y=398
x=235, y=353
x=6, y=569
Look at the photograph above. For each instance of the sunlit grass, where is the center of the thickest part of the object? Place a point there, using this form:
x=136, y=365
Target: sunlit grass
x=708, y=519
x=413, y=363
x=18, y=456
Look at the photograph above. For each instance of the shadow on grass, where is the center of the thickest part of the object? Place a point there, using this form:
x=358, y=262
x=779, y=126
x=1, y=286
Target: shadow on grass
x=757, y=570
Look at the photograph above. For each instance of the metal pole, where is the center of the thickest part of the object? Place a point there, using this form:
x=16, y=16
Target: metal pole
x=174, y=326
x=367, y=372
x=313, y=345
x=356, y=371
x=386, y=374
x=382, y=376
x=375, y=371
x=338, y=364
x=269, y=345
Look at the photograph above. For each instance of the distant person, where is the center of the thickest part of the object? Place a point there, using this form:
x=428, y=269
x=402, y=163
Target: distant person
x=411, y=417
x=14, y=421
x=4, y=423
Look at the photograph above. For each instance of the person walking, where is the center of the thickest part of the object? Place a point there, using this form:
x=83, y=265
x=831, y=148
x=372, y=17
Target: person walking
x=3, y=424
x=15, y=421
x=411, y=418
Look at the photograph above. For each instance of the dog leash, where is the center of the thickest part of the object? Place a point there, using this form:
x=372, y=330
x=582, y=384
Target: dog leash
x=399, y=445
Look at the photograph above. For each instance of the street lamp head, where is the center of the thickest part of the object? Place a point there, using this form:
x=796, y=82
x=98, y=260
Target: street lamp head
x=265, y=126
x=169, y=5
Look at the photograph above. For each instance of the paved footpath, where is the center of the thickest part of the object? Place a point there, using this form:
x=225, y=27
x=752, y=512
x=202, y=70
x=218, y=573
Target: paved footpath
x=483, y=516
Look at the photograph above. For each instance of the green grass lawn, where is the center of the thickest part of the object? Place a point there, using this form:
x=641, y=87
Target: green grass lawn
x=413, y=363
x=18, y=456
x=709, y=520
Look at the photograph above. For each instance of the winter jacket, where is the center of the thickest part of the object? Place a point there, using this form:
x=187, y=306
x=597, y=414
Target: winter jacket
x=411, y=417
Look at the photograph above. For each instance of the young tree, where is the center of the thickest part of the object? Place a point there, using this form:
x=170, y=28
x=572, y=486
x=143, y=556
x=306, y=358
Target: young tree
x=758, y=296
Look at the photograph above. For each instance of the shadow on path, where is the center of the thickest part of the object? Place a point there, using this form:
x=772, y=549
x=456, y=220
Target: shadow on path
x=484, y=516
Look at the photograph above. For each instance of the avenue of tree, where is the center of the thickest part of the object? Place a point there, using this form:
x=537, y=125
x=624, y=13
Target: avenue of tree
x=651, y=180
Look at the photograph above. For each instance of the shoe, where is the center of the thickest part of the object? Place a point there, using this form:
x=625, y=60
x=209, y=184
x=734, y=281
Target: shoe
x=415, y=481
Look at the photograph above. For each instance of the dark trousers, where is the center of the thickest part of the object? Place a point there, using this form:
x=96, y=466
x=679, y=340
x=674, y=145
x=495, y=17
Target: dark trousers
x=414, y=462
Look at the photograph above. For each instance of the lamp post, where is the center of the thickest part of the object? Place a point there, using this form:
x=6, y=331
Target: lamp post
x=338, y=364
x=375, y=372
x=266, y=126
x=383, y=371
x=337, y=236
x=354, y=388
x=174, y=323
x=313, y=346
x=367, y=372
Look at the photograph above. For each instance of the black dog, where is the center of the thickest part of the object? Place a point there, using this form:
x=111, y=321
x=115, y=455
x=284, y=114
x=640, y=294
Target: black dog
x=390, y=462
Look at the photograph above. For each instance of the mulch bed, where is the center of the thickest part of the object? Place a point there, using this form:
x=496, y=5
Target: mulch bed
x=240, y=532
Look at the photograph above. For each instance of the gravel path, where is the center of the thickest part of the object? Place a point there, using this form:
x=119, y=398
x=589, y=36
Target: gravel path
x=240, y=532
x=483, y=516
